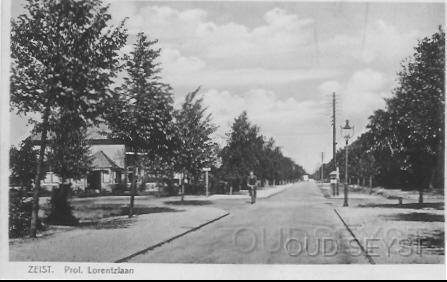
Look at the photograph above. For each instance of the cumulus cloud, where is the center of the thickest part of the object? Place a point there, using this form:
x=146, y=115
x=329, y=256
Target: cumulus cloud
x=237, y=61
x=330, y=86
x=360, y=95
x=249, y=77
x=380, y=41
x=365, y=92
x=264, y=108
x=199, y=50
x=292, y=122
x=174, y=62
x=195, y=33
x=383, y=40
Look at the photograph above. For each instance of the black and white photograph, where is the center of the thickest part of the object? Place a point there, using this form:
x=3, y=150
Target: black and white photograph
x=250, y=139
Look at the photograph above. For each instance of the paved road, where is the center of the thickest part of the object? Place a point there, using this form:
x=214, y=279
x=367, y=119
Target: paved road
x=297, y=226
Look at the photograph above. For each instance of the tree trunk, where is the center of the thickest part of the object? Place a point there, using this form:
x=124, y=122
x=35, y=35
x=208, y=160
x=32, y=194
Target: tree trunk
x=421, y=195
x=125, y=169
x=43, y=145
x=183, y=188
x=432, y=178
x=428, y=184
x=134, y=186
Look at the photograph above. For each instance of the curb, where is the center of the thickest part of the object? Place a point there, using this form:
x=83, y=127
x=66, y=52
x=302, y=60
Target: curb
x=126, y=259
x=368, y=257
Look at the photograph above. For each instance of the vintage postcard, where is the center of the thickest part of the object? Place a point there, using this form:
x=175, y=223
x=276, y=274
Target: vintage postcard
x=222, y=139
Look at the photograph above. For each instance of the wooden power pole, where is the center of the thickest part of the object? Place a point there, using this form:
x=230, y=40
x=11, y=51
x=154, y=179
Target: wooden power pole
x=334, y=132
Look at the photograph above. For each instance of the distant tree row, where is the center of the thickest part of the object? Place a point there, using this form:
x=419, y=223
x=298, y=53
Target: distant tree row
x=248, y=150
x=404, y=144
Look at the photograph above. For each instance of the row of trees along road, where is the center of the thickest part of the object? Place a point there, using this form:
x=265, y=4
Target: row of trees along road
x=248, y=150
x=69, y=73
x=403, y=146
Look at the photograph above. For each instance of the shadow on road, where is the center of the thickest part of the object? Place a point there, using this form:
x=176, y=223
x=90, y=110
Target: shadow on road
x=422, y=217
x=436, y=206
x=189, y=203
x=147, y=210
x=433, y=242
x=119, y=223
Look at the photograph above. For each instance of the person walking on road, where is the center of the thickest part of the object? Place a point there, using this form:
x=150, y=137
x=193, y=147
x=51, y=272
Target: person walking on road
x=252, y=183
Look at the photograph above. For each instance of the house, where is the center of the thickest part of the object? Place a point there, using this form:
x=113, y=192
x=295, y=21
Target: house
x=105, y=173
x=108, y=167
x=111, y=167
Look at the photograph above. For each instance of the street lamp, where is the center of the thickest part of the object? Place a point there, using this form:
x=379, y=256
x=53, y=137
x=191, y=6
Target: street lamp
x=347, y=132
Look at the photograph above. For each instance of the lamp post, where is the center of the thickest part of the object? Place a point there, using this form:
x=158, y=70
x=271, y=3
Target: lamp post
x=347, y=132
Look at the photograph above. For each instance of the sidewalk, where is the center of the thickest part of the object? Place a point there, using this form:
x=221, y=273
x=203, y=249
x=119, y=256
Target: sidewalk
x=114, y=239
x=397, y=235
x=262, y=193
x=390, y=232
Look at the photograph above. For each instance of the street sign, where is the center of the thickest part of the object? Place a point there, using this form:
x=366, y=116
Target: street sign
x=207, y=169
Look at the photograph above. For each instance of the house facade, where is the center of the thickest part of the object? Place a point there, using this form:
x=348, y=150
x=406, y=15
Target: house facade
x=111, y=167
x=108, y=166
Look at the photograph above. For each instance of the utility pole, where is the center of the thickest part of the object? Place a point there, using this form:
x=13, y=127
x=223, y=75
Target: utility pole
x=334, y=132
x=334, y=139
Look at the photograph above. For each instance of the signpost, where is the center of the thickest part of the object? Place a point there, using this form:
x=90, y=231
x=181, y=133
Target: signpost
x=207, y=170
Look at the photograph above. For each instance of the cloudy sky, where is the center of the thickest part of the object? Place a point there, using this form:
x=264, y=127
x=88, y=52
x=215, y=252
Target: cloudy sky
x=280, y=61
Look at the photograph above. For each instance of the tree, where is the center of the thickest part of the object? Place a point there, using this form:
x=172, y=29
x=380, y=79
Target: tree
x=247, y=150
x=194, y=127
x=69, y=158
x=419, y=110
x=69, y=155
x=141, y=109
x=415, y=127
x=239, y=156
x=23, y=164
x=404, y=144
x=64, y=58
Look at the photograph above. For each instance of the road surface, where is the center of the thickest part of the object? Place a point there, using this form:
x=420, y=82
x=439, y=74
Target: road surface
x=297, y=226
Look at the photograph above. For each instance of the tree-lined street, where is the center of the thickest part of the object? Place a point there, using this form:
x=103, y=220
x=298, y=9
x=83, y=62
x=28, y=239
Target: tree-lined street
x=124, y=163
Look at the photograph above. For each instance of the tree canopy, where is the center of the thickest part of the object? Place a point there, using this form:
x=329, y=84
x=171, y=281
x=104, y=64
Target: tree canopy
x=248, y=150
x=141, y=109
x=197, y=150
x=404, y=143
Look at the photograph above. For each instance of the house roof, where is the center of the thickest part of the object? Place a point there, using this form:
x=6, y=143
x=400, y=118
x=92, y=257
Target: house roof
x=95, y=136
x=101, y=160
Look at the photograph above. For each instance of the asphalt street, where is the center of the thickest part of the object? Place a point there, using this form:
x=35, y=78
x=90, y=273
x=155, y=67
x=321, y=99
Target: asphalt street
x=297, y=226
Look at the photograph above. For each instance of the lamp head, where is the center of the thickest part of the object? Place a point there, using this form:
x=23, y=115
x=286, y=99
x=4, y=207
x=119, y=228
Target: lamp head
x=347, y=131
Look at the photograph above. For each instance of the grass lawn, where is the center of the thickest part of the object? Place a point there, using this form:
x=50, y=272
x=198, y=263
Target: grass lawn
x=96, y=208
